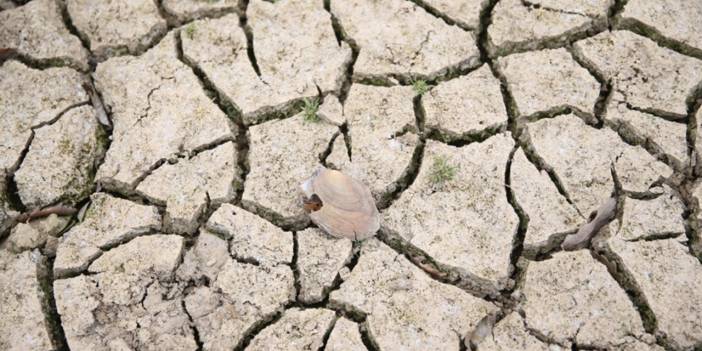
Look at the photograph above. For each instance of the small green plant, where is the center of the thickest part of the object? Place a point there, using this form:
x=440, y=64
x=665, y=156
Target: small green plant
x=441, y=171
x=420, y=87
x=309, y=112
x=190, y=30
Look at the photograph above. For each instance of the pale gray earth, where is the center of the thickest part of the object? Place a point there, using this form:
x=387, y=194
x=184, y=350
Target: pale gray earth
x=173, y=136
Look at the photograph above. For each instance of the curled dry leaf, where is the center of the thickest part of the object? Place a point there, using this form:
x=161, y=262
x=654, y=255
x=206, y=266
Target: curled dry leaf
x=340, y=205
x=605, y=214
x=481, y=331
x=100, y=112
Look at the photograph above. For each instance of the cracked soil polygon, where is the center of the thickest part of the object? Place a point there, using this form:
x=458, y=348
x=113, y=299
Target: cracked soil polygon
x=227, y=298
x=394, y=294
x=644, y=74
x=549, y=212
x=511, y=334
x=61, y=160
x=677, y=20
x=188, y=186
x=38, y=31
x=397, y=36
x=468, y=103
x=661, y=216
x=290, y=149
x=125, y=302
x=466, y=221
x=294, y=47
x=520, y=23
x=670, y=279
x=546, y=79
x=298, y=329
x=670, y=136
x=251, y=237
x=27, y=236
x=320, y=258
x=30, y=98
x=108, y=222
x=117, y=27
x=184, y=10
x=466, y=12
x=379, y=154
x=571, y=298
x=582, y=155
x=345, y=337
x=23, y=323
x=158, y=110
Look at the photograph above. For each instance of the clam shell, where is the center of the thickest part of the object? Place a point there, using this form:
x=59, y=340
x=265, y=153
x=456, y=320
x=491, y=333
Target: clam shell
x=348, y=208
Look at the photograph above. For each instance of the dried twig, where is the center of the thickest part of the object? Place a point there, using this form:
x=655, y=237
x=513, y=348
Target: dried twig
x=44, y=212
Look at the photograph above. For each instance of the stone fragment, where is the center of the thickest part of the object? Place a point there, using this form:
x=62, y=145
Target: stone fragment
x=677, y=20
x=549, y=212
x=128, y=298
x=670, y=136
x=670, y=279
x=331, y=110
x=294, y=47
x=30, y=98
x=282, y=154
x=518, y=24
x=158, y=108
x=251, y=237
x=651, y=218
x=646, y=75
x=572, y=298
x=547, y=79
x=466, y=12
x=345, y=337
x=108, y=222
x=397, y=36
x=464, y=104
x=407, y=310
x=188, y=186
x=511, y=334
x=61, y=160
x=23, y=325
x=37, y=30
x=298, y=329
x=319, y=259
x=581, y=156
x=117, y=27
x=235, y=297
x=186, y=10
x=33, y=235
x=375, y=116
x=457, y=211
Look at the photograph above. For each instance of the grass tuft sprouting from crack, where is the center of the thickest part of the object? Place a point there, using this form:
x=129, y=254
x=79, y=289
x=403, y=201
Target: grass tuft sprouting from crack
x=420, y=87
x=190, y=30
x=309, y=110
x=441, y=171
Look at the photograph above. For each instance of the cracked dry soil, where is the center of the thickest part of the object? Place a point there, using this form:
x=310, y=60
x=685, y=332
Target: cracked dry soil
x=487, y=131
